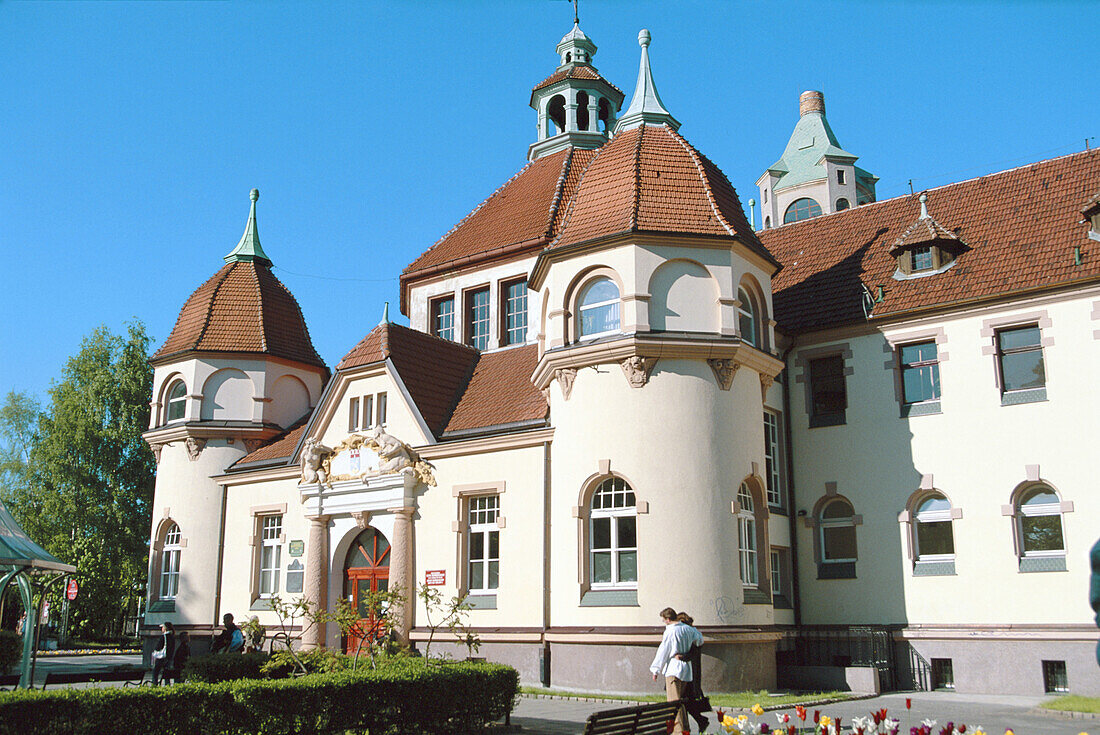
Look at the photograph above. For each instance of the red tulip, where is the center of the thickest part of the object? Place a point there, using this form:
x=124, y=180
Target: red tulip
x=908, y=703
x=817, y=716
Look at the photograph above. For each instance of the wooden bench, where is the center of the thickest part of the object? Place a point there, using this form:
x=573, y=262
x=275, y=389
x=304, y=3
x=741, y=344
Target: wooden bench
x=129, y=677
x=9, y=682
x=647, y=719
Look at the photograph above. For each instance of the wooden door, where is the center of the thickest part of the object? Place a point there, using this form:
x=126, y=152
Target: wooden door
x=368, y=570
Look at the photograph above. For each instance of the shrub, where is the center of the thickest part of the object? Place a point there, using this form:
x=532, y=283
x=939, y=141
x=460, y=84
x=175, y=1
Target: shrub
x=320, y=661
x=11, y=649
x=217, y=667
x=406, y=697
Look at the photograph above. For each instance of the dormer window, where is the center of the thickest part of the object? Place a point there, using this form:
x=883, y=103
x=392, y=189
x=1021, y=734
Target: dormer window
x=926, y=248
x=921, y=258
x=1091, y=214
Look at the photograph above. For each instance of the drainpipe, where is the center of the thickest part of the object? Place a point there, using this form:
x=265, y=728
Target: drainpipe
x=545, y=672
x=221, y=559
x=796, y=602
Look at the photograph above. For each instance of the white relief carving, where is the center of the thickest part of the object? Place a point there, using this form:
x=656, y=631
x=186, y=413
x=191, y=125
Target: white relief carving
x=637, y=369
x=361, y=518
x=724, y=372
x=314, y=462
x=194, y=447
x=565, y=377
x=156, y=451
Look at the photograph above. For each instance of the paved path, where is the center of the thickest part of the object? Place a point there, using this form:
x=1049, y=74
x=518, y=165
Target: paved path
x=538, y=716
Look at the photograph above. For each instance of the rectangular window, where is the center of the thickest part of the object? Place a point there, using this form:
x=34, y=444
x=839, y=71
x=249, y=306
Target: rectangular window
x=443, y=317
x=1055, y=680
x=922, y=258
x=920, y=372
x=353, y=414
x=169, y=573
x=1020, y=358
x=381, y=419
x=840, y=176
x=368, y=412
x=484, y=544
x=781, y=577
x=773, y=462
x=829, y=397
x=477, y=318
x=777, y=574
x=271, y=554
x=515, y=312
x=943, y=676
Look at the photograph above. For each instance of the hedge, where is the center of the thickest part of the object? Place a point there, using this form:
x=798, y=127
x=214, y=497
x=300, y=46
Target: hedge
x=406, y=697
x=216, y=667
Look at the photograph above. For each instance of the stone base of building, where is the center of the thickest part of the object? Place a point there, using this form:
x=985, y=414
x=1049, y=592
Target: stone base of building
x=1032, y=661
x=623, y=668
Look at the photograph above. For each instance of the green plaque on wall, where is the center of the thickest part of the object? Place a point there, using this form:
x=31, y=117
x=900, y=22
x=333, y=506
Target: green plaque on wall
x=297, y=547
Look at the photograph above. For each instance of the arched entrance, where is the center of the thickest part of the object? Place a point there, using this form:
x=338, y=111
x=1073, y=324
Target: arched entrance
x=366, y=570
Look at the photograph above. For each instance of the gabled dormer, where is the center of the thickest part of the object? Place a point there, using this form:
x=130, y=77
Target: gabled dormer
x=926, y=248
x=1090, y=214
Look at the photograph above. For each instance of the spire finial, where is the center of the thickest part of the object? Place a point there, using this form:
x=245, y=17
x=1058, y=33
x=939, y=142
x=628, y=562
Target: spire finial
x=249, y=249
x=923, y=199
x=576, y=14
x=646, y=107
x=385, y=314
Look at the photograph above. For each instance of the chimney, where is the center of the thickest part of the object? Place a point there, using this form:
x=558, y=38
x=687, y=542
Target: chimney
x=811, y=102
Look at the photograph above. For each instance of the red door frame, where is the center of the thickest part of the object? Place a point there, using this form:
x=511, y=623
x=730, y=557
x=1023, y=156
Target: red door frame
x=378, y=569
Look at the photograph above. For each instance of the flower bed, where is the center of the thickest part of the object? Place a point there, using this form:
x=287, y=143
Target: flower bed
x=805, y=722
x=407, y=697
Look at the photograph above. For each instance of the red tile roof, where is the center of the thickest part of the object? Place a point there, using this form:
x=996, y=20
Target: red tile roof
x=434, y=370
x=500, y=392
x=279, y=447
x=1018, y=228
x=924, y=230
x=242, y=308
x=650, y=179
x=575, y=72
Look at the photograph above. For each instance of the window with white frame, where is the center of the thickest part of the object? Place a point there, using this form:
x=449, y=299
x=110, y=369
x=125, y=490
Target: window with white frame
x=353, y=414
x=1039, y=523
x=746, y=537
x=773, y=459
x=271, y=554
x=515, y=312
x=170, y=563
x=777, y=574
x=177, y=401
x=443, y=317
x=1020, y=358
x=933, y=534
x=477, y=318
x=380, y=417
x=836, y=526
x=613, y=535
x=746, y=318
x=368, y=412
x=483, y=545
x=920, y=373
x=598, y=308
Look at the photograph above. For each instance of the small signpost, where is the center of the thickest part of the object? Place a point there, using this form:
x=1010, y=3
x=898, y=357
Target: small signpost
x=435, y=577
x=71, y=590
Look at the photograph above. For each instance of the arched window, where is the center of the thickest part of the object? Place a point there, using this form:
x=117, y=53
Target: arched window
x=1039, y=523
x=767, y=222
x=842, y=204
x=836, y=525
x=613, y=535
x=746, y=318
x=933, y=535
x=170, y=563
x=555, y=113
x=177, y=401
x=801, y=209
x=746, y=537
x=598, y=308
x=582, y=111
x=604, y=116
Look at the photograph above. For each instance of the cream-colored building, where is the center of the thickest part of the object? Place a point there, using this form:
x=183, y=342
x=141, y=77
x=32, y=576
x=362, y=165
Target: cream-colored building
x=615, y=396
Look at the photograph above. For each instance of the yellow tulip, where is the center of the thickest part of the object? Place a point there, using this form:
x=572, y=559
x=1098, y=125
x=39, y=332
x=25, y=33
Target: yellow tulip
x=825, y=722
x=757, y=709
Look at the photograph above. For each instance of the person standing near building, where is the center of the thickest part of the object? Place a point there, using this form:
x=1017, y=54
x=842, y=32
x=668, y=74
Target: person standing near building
x=693, y=692
x=677, y=638
x=179, y=658
x=230, y=640
x=164, y=651
x=1094, y=589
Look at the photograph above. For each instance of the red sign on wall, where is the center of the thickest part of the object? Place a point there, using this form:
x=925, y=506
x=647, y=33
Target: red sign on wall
x=435, y=577
x=71, y=590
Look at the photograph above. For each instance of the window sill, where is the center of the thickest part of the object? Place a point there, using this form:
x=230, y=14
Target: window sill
x=757, y=597
x=780, y=602
x=827, y=419
x=927, y=408
x=1016, y=397
x=836, y=570
x=777, y=510
x=934, y=568
x=1042, y=564
x=480, y=601
x=160, y=606
x=263, y=603
x=610, y=598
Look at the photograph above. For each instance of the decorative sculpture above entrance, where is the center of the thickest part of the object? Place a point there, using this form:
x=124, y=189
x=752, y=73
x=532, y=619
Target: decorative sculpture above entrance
x=391, y=456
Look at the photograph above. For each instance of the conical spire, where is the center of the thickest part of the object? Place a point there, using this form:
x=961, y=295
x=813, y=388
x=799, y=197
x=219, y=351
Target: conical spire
x=248, y=249
x=646, y=107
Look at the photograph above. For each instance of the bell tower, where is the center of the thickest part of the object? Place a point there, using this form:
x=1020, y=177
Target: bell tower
x=575, y=105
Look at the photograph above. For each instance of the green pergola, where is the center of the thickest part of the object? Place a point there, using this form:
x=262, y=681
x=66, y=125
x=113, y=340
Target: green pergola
x=22, y=562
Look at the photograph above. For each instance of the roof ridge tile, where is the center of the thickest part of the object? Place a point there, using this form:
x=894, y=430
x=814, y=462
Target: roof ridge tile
x=573, y=199
x=637, y=192
x=559, y=190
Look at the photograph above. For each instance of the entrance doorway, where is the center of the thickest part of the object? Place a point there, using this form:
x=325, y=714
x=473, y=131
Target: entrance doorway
x=366, y=570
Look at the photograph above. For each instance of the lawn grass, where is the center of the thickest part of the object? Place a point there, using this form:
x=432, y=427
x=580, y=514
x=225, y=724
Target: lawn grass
x=1074, y=703
x=729, y=700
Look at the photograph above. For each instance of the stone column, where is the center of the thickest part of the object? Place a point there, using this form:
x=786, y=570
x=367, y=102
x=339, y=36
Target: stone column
x=593, y=113
x=316, y=581
x=401, y=569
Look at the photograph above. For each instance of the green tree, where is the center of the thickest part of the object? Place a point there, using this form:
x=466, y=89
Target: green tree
x=18, y=424
x=91, y=475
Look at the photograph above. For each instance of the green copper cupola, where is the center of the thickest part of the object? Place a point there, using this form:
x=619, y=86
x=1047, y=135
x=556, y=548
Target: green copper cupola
x=249, y=249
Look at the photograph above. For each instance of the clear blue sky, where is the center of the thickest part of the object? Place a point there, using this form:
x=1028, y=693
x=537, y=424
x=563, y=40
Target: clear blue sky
x=131, y=133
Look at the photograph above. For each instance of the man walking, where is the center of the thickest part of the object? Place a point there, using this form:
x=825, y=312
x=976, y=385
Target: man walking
x=678, y=639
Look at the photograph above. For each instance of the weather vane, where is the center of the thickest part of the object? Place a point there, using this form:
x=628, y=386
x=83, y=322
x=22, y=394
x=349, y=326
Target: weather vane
x=576, y=14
